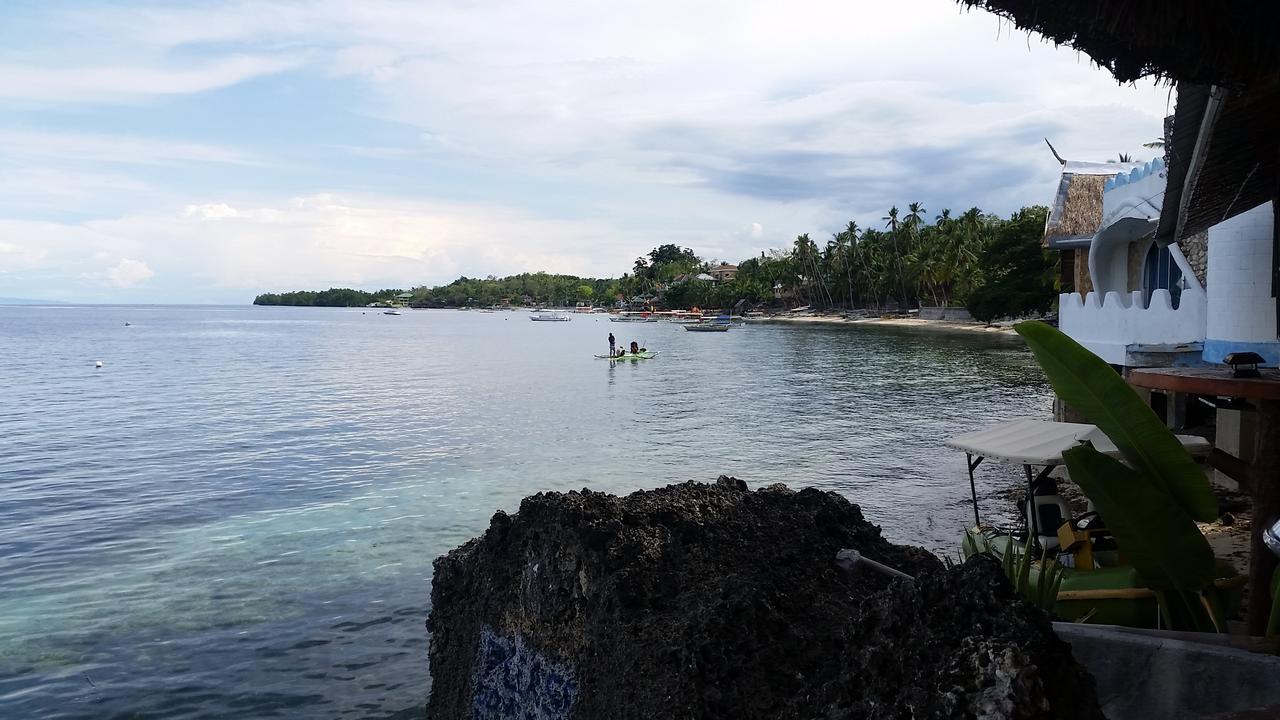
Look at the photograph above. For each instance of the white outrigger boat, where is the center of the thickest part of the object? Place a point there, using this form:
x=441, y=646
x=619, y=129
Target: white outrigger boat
x=548, y=317
x=634, y=317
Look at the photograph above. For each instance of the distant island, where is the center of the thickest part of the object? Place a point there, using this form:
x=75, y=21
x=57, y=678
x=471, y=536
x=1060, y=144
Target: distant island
x=994, y=266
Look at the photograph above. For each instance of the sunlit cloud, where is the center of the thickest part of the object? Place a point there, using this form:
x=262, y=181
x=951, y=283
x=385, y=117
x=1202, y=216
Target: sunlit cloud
x=424, y=141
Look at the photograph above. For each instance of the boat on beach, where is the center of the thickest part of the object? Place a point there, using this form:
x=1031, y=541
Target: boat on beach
x=1096, y=584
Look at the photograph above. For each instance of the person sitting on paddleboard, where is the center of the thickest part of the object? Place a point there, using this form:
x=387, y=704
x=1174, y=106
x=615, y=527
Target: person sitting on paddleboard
x=635, y=348
x=613, y=350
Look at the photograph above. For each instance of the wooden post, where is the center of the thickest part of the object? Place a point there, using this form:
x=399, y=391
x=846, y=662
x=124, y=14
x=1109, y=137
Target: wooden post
x=1266, y=508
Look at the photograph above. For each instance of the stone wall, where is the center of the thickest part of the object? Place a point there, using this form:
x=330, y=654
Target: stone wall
x=1084, y=283
x=1135, y=262
x=1196, y=249
x=953, y=314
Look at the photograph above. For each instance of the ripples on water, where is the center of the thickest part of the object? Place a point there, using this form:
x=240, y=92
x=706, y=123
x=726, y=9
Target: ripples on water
x=236, y=515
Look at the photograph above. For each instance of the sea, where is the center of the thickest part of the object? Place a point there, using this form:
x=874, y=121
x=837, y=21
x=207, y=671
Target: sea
x=236, y=513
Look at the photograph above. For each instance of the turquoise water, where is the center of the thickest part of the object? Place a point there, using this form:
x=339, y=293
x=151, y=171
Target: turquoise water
x=236, y=515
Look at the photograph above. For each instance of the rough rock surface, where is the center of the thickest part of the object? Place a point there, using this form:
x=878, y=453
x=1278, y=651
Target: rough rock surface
x=713, y=601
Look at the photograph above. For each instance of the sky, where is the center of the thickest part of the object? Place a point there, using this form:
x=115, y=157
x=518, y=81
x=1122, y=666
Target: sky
x=204, y=152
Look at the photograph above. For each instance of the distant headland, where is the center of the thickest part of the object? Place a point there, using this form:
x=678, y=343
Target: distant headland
x=993, y=266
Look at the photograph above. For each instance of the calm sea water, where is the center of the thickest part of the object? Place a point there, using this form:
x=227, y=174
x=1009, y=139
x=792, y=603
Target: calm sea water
x=236, y=515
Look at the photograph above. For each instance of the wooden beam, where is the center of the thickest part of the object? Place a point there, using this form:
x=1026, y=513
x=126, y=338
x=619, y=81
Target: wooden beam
x=1211, y=381
x=1233, y=467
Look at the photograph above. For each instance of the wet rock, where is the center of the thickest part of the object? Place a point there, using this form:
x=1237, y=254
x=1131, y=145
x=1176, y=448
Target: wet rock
x=700, y=600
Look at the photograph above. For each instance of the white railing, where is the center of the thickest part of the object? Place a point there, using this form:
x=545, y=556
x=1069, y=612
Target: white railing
x=1110, y=326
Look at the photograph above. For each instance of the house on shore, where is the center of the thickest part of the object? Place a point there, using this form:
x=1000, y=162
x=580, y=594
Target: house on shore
x=1130, y=300
x=724, y=272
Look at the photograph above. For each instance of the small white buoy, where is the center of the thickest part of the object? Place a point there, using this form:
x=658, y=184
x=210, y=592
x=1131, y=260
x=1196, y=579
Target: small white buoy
x=98, y=364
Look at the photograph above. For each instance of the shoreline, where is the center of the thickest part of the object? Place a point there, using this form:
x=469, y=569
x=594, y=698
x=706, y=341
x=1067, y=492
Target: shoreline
x=939, y=325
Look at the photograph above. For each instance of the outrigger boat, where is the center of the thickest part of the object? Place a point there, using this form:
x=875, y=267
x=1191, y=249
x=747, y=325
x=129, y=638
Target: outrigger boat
x=634, y=317
x=1097, y=585
x=720, y=323
x=548, y=317
x=642, y=355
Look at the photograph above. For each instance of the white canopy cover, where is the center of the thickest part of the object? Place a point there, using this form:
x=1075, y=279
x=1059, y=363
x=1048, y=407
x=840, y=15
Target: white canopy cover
x=1028, y=441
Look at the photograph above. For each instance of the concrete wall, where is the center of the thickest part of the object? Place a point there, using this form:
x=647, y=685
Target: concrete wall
x=954, y=314
x=1144, y=676
x=1108, y=326
x=1242, y=313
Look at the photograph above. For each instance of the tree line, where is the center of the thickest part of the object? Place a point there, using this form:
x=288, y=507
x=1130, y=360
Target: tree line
x=333, y=297
x=994, y=266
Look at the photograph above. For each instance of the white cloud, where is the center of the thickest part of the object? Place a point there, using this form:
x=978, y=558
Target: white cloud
x=580, y=133
x=127, y=273
x=29, y=145
x=89, y=83
x=224, y=253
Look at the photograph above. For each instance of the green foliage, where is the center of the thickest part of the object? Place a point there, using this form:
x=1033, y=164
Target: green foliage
x=1157, y=537
x=333, y=297
x=1017, y=567
x=1150, y=505
x=1016, y=270
x=1089, y=385
x=910, y=262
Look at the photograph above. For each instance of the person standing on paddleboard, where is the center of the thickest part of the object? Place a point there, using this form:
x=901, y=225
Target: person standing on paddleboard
x=613, y=346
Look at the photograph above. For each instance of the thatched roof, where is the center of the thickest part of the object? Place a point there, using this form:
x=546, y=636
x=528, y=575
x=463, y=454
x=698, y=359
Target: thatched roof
x=1076, y=213
x=1226, y=42
x=1222, y=154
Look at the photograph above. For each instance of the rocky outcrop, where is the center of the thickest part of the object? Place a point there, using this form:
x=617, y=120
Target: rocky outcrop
x=713, y=601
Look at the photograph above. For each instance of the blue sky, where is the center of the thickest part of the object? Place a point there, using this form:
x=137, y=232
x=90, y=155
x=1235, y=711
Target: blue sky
x=207, y=151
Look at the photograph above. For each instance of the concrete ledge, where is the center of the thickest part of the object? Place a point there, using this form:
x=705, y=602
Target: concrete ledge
x=1163, y=675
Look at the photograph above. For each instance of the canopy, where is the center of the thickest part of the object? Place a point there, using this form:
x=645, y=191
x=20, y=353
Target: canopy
x=1041, y=442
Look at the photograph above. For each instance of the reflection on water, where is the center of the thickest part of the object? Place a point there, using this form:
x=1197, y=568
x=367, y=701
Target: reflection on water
x=236, y=515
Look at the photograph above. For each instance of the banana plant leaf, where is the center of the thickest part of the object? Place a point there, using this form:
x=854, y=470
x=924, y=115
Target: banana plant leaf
x=1157, y=537
x=1089, y=385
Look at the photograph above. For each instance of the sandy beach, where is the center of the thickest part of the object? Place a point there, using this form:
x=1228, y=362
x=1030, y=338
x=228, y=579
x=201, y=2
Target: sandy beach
x=938, y=325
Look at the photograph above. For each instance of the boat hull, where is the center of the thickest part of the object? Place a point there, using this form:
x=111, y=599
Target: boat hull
x=1101, y=596
x=638, y=356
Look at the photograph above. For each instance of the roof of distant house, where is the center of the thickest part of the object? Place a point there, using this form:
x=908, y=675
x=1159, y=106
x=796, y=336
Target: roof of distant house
x=1076, y=213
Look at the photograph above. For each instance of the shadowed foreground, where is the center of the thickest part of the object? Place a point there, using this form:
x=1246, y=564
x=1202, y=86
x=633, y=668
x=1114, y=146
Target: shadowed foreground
x=700, y=600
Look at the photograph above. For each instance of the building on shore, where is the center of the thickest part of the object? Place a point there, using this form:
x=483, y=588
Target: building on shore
x=1210, y=204
x=724, y=272
x=1182, y=265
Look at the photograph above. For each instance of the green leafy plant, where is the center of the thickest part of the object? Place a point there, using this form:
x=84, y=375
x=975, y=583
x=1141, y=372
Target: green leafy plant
x=1151, y=504
x=1017, y=567
x=1089, y=385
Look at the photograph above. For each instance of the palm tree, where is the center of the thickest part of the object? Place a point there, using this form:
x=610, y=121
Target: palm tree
x=891, y=222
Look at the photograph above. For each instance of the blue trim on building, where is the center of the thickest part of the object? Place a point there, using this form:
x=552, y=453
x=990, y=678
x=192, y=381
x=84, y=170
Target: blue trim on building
x=1216, y=350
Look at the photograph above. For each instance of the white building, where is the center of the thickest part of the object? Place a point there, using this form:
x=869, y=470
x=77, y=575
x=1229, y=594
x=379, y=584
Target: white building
x=1145, y=304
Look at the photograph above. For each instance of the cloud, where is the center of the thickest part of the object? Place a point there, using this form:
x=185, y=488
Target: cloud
x=217, y=252
x=424, y=140
x=84, y=84
x=128, y=273
x=29, y=145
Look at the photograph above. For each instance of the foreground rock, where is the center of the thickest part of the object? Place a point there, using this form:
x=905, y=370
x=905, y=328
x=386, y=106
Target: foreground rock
x=712, y=601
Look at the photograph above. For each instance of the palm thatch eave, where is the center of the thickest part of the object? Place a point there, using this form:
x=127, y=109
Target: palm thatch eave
x=1230, y=42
